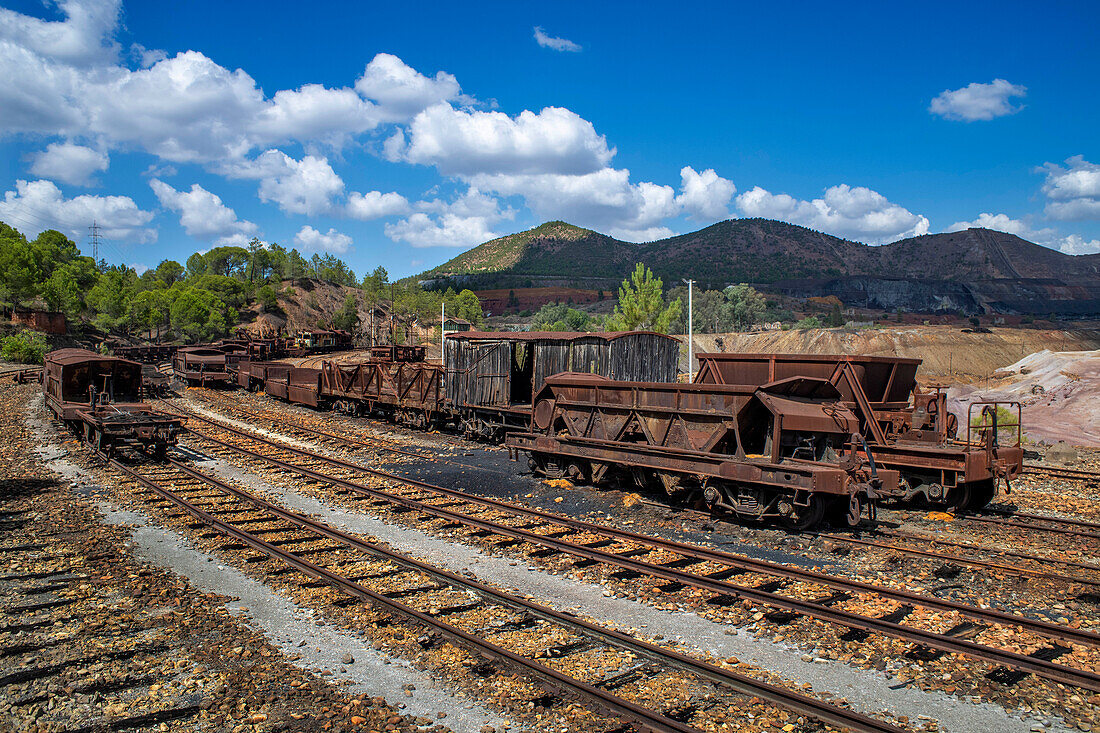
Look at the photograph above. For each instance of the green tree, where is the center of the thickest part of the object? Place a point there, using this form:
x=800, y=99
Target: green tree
x=110, y=298
x=745, y=306
x=256, y=257
x=169, y=272
x=196, y=266
x=297, y=266
x=642, y=305
x=62, y=292
x=560, y=317
x=809, y=322
x=347, y=318
x=467, y=306
x=198, y=315
x=227, y=261
x=269, y=301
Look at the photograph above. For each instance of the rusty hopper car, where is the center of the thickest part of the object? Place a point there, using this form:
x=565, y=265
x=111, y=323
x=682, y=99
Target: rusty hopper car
x=100, y=398
x=201, y=366
x=903, y=428
x=491, y=378
x=154, y=382
x=779, y=450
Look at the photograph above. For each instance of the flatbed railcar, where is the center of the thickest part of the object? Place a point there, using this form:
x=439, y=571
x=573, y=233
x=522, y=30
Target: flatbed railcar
x=100, y=398
x=906, y=429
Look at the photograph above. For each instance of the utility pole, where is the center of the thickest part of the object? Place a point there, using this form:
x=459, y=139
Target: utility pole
x=443, y=335
x=691, y=348
x=95, y=240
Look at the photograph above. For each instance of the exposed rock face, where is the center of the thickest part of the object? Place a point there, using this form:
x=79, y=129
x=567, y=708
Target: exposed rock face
x=926, y=296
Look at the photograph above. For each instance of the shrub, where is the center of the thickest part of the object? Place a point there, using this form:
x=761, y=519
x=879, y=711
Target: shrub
x=25, y=347
x=810, y=322
x=1004, y=417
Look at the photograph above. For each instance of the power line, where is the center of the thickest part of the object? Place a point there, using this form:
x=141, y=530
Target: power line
x=95, y=240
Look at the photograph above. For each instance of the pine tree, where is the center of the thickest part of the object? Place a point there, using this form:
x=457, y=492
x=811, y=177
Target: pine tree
x=642, y=305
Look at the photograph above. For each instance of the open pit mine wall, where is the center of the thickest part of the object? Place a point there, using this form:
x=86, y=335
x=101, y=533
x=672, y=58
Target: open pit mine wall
x=1010, y=296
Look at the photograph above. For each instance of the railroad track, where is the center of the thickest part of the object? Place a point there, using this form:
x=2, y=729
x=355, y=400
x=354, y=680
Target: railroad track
x=937, y=553
x=971, y=621
x=1067, y=473
x=373, y=443
x=446, y=605
x=937, y=544
x=1076, y=528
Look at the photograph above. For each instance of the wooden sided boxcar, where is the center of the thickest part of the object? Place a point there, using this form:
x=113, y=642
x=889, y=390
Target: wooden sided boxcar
x=491, y=378
x=100, y=397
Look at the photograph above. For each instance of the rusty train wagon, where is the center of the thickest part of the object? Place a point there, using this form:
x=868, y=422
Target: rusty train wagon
x=492, y=378
x=902, y=427
x=253, y=375
x=395, y=383
x=100, y=397
x=201, y=366
x=777, y=451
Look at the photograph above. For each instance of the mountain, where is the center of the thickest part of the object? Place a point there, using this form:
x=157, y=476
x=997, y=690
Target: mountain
x=972, y=271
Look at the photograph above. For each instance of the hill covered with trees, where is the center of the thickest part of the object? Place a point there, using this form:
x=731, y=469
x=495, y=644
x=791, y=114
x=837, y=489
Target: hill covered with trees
x=204, y=298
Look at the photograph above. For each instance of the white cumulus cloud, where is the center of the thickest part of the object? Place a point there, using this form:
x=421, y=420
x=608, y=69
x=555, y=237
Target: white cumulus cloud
x=465, y=222
x=401, y=91
x=978, y=101
x=1073, y=192
x=375, y=205
x=307, y=186
x=705, y=196
x=40, y=205
x=854, y=213
x=202, y=214
x=70, y=163
x=554, y=42
x=312, y=240
x=460, y=142
x=605, y=200
x=82, y=38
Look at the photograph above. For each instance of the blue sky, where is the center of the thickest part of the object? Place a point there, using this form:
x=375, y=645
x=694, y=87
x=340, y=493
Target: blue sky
x=401, y=134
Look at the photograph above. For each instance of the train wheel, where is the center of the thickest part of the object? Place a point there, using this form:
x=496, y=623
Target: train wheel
x=807, y=516
x=575, y=472
x=981, y=493
x=960, y=497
